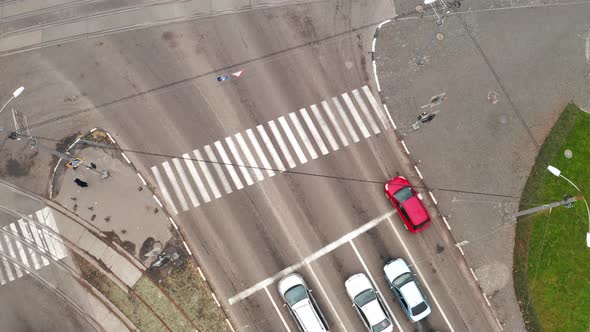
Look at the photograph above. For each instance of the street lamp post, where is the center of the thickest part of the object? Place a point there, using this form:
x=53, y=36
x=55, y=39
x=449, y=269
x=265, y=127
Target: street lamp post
x=555, y=171
x=15, y=94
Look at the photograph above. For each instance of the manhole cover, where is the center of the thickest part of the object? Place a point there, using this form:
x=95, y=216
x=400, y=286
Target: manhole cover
x=568, y=154
x=440, y=36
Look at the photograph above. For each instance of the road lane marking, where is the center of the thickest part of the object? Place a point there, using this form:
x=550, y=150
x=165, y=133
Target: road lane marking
x=375, y=106
x=282, y=144
x=271, y=148
x=320, y=119
x=7, y=268
x=303, y=135
x=365, y=110
x=291, y=137
x=355, y=115
x=335, y=123
x=164, y=190
x=249, y=156
x=239, y=161
x=228, y=165
x=274, y=304
x=12, y=254
x=187, y=185
x=21, y=250
x=207, y=173
x=195, y=175
x=175, y=186
x=314, y=256
x=325, y=294
x=218, y=170
x=314, y=131
x=423, y=281
x=39, y=241
x=27, y=235
x=260, y=153
x=381, y=294
x=345, y=119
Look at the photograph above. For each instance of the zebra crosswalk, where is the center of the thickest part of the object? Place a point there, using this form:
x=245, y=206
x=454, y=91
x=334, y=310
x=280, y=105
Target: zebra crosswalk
x=242, y=159
x=12, y=244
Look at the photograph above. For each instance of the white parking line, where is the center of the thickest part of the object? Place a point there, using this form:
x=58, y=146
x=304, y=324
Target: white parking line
x=193, y=170
x=7, y=268
x=271, y=148
x=316, y=255
x=320, y=119
x=282, y=145
x=346, y=120
x=228, y=165
x=164, y=190
x=218, y=170
x=314, y=131
x=325, y=294
x=249, y=157
x=274, y=304
x=187, y=185
x=375, y=106
x=25, y=231
x=355, y=115
x=175, y=186
x=423, y=281
x=334, y=122
x=207, y=173
x=239, y=161
x=292, y=140
x=303, y=135
x=260, y=153
x=375, y=284
x=365, y=110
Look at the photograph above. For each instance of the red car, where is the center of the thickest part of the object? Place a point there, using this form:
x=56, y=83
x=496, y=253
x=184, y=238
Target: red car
x=408, y=205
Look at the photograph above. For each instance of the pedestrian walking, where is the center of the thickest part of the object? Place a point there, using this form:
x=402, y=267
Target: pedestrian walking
x=81, y=183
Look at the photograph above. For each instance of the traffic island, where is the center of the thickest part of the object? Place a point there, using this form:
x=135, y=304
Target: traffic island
x=551, y=271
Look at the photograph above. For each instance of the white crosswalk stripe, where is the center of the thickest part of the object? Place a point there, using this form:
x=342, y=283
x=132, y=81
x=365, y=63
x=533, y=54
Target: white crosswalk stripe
x=27, y=235
x=249, y=157
x=345, y=119
x=228, y=165
x=164, y=190
x=196, y=178
x=298, y=151
x=239, y=161
x=314, y=131
x=320, y=119
x=335, y=123
x=303, y=135
x=207, y=174
x=48, y=219
x=376, y=107
x=2, y=280
x=271, y=148
x=365, y=110
x=21, y=249
x=355, y=115
x=6, y=263
x=260, y=153
x=11, y=253
x=187, y=185
x=282, y=145
x=175, y=186
x=218, y=170
x=41, y=244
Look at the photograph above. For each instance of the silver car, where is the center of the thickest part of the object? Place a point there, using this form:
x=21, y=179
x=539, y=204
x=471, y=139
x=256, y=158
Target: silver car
x=302, y=306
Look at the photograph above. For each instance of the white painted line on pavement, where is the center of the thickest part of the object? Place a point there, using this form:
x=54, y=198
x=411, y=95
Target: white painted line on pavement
x=389, y=116
x=187, y=248
x=334, y=122
x=345, y=119
x=7, y=264
x=217, y=168
x=303, y=135
x=126, y=159
x=384, y=22
x=215, y=298
x=56, y=240
x=239, y=161
x=486, y=298
x=207, y=173
x=25, y=231
x=355, y=115
x=373, y=47
x=365, y=110
x=314, y=131
x=291, y=137
x=381, y=294
x=111, y=137
x=282, y=144
x=12, y=254
x=432, y=196
x=423, y=281
x=228, y=165
x=418, y=171
x=93, y=130
x=376, y=77
x=201, y=273
x=249, y=156
x=461, y=250
x=323, y=251
x=2, y=281
x=446, y=223
x=157, y=201
x=274, y=304
x=164, y=191
x=195, y=175
x=173, y=223
x=175, y=186
x=41, y=245
x=47, y=235
x=260, y=153
x=142, y=179
x=271, y=148
x=185, y=182
x=325, y=294
x=405, y=147
x=320, y=119
x=375, y=106
x=229, y=324
x=473, y=274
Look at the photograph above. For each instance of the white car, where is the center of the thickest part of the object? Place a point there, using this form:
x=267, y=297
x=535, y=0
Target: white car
x=302, y=306
x=406, y=289
x=368, y=303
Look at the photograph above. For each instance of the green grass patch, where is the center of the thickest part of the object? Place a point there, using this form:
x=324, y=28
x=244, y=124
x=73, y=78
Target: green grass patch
x=551, y=260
